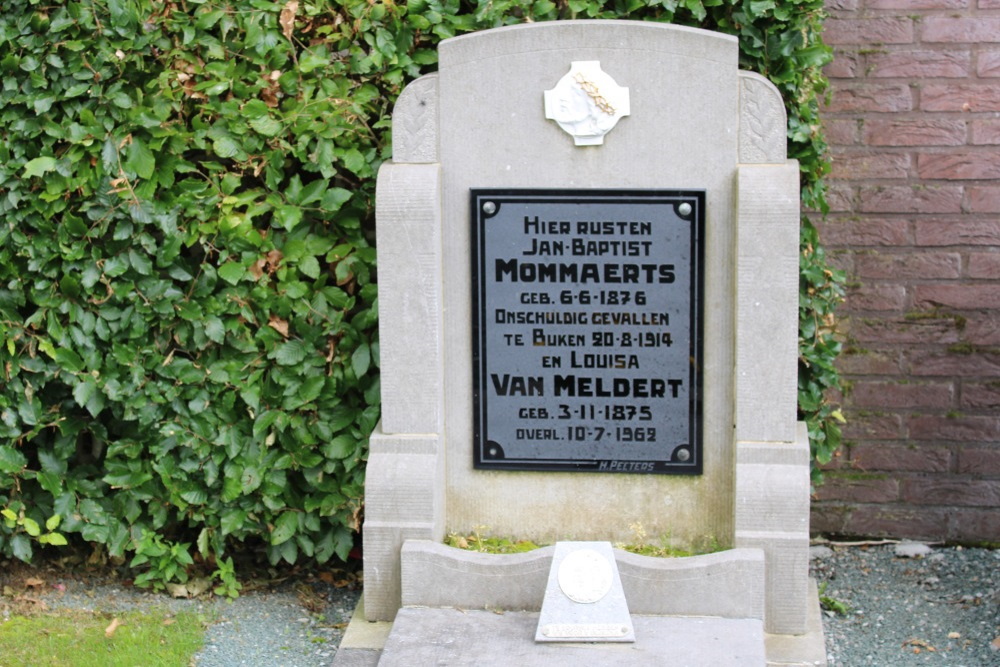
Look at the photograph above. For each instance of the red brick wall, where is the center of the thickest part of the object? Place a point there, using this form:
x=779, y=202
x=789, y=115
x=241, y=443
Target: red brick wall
x=914, y=126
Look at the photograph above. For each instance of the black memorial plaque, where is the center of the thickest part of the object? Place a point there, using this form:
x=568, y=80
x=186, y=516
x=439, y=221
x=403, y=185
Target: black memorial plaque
x=587, y=327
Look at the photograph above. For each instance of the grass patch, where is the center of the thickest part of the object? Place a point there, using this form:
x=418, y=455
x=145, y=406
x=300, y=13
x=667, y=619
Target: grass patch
x=663, y=547
x=661, y=550
x=831, y=603
x=94, y=639
x=489, y=545
x=505, y=545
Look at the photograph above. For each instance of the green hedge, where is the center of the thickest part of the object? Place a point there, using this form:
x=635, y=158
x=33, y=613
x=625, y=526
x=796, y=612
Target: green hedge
x=187, y=281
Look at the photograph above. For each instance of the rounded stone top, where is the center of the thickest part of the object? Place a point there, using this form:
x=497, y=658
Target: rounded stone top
x=587, y=35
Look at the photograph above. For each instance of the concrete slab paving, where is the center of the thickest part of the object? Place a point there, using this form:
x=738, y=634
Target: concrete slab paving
x=364, y=640
x=452, y=637
x=356, y=657
x=808, y=650
x=362, y=633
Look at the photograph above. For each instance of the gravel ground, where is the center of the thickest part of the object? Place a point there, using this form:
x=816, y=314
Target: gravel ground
x=905, y=605
x=275, y=629
x=910, y=604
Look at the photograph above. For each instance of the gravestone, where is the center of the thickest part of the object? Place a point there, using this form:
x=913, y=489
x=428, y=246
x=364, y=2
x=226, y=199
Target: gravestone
x=588, y=271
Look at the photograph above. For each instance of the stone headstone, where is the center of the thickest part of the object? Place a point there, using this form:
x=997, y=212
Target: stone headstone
x=500, y=161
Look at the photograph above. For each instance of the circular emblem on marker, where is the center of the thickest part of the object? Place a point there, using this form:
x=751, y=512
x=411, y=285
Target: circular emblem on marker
x=585, y=576
x=586, y=103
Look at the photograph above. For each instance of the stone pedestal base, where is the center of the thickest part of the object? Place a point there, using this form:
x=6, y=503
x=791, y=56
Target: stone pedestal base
x=427, y=636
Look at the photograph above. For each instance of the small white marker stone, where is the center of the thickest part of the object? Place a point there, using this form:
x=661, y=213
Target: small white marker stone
x=584, y=599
